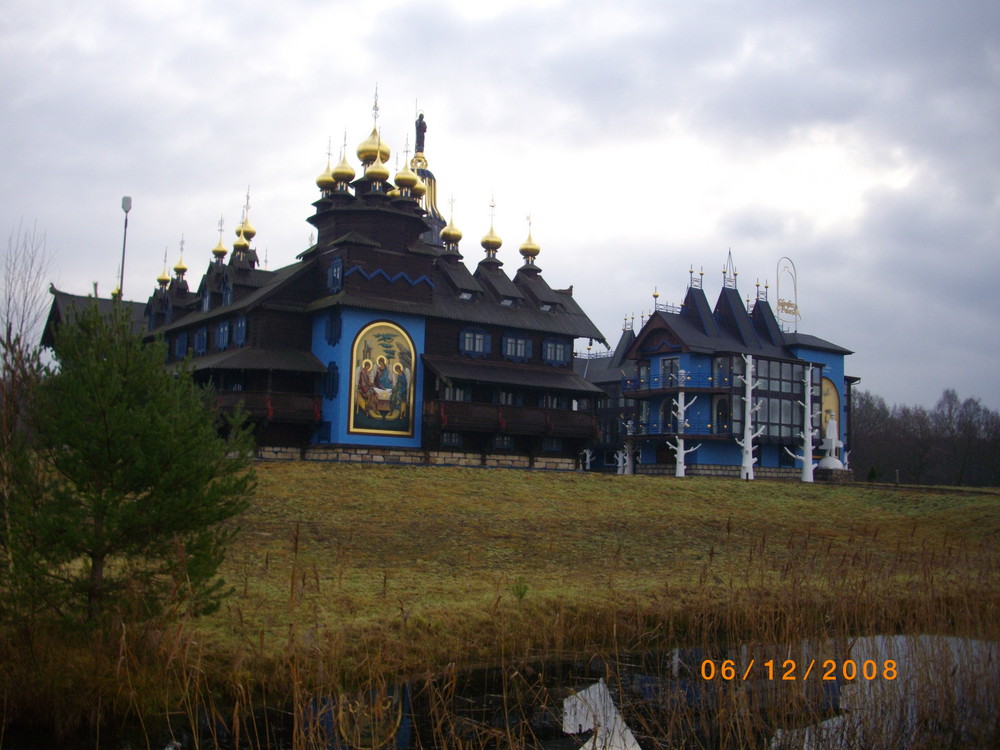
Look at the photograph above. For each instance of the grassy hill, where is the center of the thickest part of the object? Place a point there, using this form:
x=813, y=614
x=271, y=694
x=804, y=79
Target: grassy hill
x=351, y=575
x=433, y=561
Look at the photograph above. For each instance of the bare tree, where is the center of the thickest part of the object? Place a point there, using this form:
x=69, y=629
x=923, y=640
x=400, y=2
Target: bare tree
x=24, y=266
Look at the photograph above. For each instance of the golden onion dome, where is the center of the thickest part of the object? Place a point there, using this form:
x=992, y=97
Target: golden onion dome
x=420, y=189
x=247, y=229
x=491, y=241
x=343, y=172
x=451, y=234
x=406, y=177
x=377, y=170
x=241, y=243
x=373, y=146
x=326, y=181
x=394, y=193
x=164, y=278
x=529, y=248
x=180, y=269
x=219, y=251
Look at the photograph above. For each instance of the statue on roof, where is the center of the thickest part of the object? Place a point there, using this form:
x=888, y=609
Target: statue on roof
x=421, y=129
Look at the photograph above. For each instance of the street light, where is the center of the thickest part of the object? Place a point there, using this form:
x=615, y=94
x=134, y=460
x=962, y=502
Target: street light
x=126, y=207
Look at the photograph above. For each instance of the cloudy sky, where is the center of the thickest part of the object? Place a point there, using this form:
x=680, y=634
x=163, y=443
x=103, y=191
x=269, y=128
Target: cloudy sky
x=861, y=139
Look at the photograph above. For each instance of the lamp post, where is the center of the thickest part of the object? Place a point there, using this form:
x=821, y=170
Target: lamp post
x=126, y=207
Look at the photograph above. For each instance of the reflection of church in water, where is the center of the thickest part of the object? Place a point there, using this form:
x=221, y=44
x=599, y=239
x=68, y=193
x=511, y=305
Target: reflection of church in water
x=379, y=343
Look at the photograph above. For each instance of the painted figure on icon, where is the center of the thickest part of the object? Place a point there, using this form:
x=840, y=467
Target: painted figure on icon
x=382, y=389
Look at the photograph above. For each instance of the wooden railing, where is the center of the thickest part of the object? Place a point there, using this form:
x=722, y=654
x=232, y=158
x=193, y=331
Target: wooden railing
x=463, y=416
x=272, y=406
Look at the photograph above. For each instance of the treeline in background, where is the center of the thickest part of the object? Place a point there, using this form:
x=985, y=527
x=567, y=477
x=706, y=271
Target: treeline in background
x=957, y=442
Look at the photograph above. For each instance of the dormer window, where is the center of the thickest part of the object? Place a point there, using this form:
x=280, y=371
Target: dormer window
x=465, y=296
x=546, y=307
x=227, y=293
x=206, y=300
x=507, y=302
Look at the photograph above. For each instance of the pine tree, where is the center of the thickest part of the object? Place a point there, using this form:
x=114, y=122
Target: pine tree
x=138, y=483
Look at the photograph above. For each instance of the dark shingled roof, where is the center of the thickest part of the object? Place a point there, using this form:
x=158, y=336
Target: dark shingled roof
x=730, y=329
x=65, y=305
x=275, y=282
x=506, y=373
x=290, y=360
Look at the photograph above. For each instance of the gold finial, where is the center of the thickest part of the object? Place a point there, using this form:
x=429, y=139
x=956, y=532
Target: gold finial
x=219, y=251
x=180, y=268
x=246, y=228
x=406, y=178
x=164, y=278
x=326, y=180
x=491, y=242
x=529, y=248
x=451, y=235
x=656, y=295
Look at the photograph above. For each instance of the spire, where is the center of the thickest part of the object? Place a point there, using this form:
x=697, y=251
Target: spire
x=729, y=273
x=326, y=182
x=451, y=235
x=219, y=251
x=246, y=228
x=164, y=278
x=491, y=241
x=529, y=248
x=179, y=267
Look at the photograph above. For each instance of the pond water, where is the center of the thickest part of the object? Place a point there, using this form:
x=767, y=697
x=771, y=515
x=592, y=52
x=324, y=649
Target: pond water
x=883, y=691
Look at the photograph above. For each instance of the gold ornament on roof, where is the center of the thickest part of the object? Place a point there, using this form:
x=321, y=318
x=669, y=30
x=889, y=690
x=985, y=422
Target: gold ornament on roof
x=373, y=146
x=529, y=248
x=343, y=172
x=377, y=170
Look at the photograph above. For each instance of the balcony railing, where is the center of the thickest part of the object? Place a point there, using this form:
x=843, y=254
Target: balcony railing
x=463, y=416
x=692, y=428
x=274, y=407
x=672, y=382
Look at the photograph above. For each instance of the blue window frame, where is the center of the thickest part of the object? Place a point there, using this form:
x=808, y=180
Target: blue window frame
x=206, y=300
x=181, y=345
x=222, y=335
x=240, y=331
x=555, y=351
x=475, y=342
x=333, y=327
x=331, y=381
x=516, y=348
x=227, y=292
x=335, y=276
x=200, y=341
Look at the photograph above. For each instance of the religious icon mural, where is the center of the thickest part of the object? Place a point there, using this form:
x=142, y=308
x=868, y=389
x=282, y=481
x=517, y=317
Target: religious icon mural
x=382, y=381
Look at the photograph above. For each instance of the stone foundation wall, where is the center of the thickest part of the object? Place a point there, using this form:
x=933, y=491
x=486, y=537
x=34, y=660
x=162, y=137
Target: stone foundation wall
x=420, y=457
x=413, y=457
x=759, y=472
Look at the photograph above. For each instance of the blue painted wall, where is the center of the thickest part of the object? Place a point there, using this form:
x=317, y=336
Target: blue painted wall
x=833, y=368
x=335, y=410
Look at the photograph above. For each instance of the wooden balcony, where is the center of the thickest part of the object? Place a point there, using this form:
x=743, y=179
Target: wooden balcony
x=273, y=406
x=695, y=382
x=463, y=416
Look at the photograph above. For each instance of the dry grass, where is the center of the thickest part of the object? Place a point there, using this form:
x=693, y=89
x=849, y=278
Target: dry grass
x=348, y=575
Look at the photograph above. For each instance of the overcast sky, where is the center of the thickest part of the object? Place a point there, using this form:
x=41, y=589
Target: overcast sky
x=861, y=139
